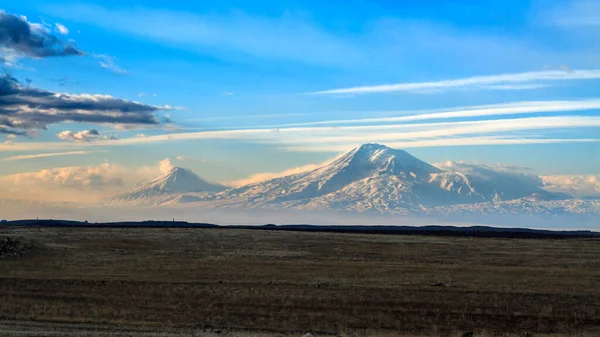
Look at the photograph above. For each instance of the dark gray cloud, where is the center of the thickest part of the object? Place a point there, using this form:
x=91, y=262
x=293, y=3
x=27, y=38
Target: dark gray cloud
x=12, y=132
x=26, y=108
x=18, y=36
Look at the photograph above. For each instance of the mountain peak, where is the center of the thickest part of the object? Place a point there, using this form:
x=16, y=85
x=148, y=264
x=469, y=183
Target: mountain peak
x=177, y=181
x=178, y=170
x=384, y=159
x=379, y=148
x=373, y=146
x=183, y=180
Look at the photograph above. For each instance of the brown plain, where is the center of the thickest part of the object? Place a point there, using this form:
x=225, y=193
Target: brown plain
x=294, y=282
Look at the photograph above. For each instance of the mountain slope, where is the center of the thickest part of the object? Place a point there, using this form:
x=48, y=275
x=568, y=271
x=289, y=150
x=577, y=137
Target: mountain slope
x=168, y=188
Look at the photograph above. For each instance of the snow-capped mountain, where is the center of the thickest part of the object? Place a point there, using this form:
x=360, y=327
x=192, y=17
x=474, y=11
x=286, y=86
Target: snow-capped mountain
x=372, y=178
x=172, y=187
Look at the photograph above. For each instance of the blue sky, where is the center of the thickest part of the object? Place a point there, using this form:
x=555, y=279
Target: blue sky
x=245, y=87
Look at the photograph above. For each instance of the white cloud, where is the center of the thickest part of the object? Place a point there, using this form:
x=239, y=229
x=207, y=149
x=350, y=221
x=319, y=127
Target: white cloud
x=71, y=177
x=458, y=165
x=502, y=79
x=73, y=183
x=45, y=155
x=142, y=94
x=165, y=166
x=492, y=172
x=78, y=183
x=62, y=29
x=576, y=185
x=83, y=136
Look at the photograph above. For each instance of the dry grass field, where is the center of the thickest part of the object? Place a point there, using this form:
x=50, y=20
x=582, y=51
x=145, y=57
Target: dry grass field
x=274, y=282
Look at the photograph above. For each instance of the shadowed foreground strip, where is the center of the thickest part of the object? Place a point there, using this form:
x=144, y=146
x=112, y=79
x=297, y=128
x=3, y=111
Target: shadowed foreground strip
x=293, y=282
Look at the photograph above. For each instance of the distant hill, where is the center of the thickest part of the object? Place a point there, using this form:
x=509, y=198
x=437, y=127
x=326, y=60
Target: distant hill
x=472, y=231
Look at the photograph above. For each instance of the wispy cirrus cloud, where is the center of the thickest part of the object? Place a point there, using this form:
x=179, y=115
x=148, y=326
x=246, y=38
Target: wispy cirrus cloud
x=108, y=62
x=514, y=108
x=445, y=130
x=447, y=142
x=531, y=86
x=46, y=155
x=326, y=138
x=528, y=78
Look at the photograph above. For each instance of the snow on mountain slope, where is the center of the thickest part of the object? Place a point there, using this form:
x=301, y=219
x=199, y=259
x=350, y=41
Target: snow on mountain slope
x=169, y=188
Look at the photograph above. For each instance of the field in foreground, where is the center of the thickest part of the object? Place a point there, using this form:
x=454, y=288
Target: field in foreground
x=221, y=280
